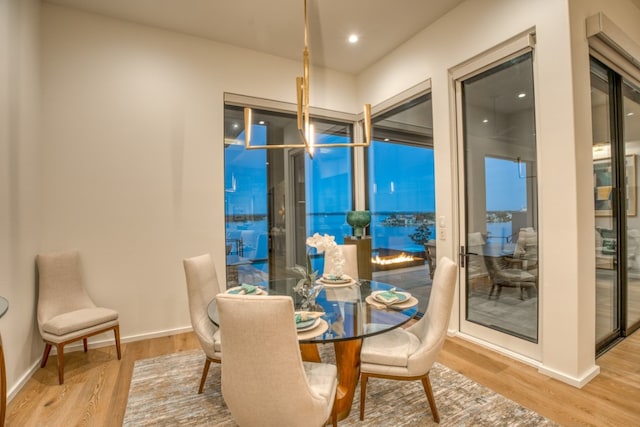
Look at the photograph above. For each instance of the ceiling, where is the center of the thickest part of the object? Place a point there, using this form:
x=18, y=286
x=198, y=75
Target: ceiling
x=277, y=26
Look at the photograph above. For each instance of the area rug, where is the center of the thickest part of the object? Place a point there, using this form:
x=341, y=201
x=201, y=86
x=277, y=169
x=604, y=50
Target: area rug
x=164, y=392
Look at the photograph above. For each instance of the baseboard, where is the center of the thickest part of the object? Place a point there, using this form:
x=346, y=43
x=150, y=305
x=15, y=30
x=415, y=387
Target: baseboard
x=512, y=355
x=107, y=341
x=560, y=376
x=23, y=380
x=573, y=381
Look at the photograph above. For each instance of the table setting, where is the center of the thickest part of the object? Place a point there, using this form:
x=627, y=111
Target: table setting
x=391, y=299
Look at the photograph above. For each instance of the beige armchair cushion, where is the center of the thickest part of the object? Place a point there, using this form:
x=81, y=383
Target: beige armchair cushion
x=78, y=319
x=392, y=348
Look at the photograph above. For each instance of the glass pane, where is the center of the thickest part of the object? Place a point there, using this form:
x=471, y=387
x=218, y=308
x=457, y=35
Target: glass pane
x=402, y=197
x=631, y=117
x=605, y=234
x=501, y=272
x=275, y=198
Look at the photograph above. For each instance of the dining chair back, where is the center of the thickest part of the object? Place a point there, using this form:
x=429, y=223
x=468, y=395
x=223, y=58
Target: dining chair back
x=350, y=254
x=408, y=354
x=202, y=287
x=66, y=313
x=264, y=380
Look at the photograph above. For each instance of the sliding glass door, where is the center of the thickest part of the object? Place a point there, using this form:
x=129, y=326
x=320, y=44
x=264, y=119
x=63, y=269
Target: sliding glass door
x=615, y=104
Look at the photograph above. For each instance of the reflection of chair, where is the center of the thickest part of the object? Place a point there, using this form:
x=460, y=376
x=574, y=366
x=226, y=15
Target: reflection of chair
x=408, y=354
x=503, y=274
x=65, y=312
x=264, y=380
x=202, y=287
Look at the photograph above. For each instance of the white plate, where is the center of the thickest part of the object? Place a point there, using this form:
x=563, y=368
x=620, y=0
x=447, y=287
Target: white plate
x=332, y=284
x=343, y=280
x=315, y=323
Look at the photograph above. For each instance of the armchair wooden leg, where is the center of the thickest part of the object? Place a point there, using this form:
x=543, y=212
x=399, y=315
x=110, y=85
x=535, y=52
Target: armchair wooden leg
x=116, y=333
x=432, y=401
x=84, y=343
x=205, y=371
x=363, y=393
x=60, y=349
x=45, y=355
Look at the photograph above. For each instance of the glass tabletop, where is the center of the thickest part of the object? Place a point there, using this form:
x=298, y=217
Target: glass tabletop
x=4, y=306
x=349, y=310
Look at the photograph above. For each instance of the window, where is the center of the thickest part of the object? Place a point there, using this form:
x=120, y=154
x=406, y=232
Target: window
x=275, y=198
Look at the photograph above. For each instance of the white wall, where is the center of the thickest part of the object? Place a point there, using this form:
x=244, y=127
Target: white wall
x=133, y=172
x=19, y=182
x=566, y=245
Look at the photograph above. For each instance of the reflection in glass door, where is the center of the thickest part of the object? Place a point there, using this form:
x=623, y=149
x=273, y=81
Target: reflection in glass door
x=615, y=105
x=499, y=241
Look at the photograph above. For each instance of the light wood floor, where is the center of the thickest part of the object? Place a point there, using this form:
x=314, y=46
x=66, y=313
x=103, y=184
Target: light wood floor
x=97, y=384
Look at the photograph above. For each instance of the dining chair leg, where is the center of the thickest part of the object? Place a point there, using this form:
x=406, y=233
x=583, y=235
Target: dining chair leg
x=84, y=344
x=60, y=350
x=205, y=371
x=334, y=416
x=45, y=355
x=432, y=401
x=116, y=333
x=363, y=393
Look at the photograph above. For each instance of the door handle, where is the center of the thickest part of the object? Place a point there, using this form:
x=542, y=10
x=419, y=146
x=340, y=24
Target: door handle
x=463, y=255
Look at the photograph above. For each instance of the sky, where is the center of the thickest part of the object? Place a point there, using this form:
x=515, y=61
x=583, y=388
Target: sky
x=401, y=179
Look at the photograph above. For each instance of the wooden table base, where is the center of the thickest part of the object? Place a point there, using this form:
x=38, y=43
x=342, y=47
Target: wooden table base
x=348, y=364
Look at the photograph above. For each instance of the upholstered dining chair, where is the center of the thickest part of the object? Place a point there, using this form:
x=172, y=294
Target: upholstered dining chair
x=350, y=254
x=202, y=287
x=408, y=354
x=264, y=380
x=66, y=313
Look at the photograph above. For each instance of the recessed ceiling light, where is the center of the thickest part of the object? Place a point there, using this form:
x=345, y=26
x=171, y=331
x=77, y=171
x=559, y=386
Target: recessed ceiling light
x=353, y=38
x=261, y=122
x=485, y=120
x=630, y=113
x=386, y=140
x=235, y=126
x=522, y=95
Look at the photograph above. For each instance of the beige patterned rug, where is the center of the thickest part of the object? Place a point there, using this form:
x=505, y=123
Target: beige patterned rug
x=164, y=390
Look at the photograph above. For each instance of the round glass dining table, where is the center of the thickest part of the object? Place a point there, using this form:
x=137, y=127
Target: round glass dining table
x=350, y=314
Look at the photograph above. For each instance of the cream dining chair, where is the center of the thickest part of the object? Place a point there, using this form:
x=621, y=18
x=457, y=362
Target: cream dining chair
x=350, y=268
x=408, y=354
x=264, y=380
x=66, y=313
x=202, y=287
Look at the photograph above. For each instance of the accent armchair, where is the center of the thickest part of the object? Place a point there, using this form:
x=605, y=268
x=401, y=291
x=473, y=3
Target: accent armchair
x=66, y=313
x=264, y=380
x=408, y=354
x=202, y=287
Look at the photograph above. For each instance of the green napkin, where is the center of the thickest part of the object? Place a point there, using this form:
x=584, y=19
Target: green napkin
x=390, y=297
x=248, y=289
x=244, y=289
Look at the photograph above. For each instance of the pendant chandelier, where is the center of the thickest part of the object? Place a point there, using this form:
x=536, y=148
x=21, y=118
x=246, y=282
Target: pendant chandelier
x=305, y=128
